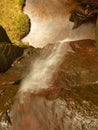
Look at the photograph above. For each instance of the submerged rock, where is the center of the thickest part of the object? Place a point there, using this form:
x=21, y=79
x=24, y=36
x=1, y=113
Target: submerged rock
x=70, y=102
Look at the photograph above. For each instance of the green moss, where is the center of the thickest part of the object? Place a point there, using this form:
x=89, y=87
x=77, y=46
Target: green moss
x=13, y=20
x=21, y=3
x=22, y=25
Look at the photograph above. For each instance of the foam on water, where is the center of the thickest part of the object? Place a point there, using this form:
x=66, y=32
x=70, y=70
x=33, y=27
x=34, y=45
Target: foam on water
x=42, y=70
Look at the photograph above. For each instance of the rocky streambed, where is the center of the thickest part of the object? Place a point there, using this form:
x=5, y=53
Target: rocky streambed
x=54, y=87
x=71, y=101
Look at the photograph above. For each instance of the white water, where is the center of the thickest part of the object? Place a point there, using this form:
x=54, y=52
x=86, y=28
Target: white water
x=50, y=23
x=42, y=70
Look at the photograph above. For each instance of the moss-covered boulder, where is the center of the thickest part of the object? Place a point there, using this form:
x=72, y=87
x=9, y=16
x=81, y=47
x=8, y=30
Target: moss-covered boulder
x=13, y=20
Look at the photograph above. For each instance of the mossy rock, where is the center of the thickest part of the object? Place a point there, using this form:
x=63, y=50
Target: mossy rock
x=22, y=26
x=8, y=53
x=13, y=20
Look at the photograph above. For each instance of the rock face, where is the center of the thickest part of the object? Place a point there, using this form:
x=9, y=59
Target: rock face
x=71, y=100
x=8, y=53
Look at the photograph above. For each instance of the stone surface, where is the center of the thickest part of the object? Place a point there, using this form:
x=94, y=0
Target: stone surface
x=70, y=103
x=8, y=54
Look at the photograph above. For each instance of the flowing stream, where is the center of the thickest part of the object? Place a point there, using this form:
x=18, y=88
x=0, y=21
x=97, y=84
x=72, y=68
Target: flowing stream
x=40, y=78
x=49, y=23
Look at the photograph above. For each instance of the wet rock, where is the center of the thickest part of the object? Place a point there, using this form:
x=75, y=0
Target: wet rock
x=9, y=87
x=8, y=53
x=41, y=113
x=71, y=102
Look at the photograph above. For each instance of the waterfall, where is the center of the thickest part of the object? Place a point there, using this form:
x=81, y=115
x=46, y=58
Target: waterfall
x=50, y=23
x=42, y=70
x=40, y=78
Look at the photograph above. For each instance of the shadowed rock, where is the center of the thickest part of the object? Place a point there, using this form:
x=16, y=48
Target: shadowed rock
x=3, y=36
x=8, y=53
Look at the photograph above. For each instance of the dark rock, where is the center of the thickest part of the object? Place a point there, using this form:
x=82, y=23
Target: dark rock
x=3, y=36
x=84, y=13
x=70, y=103
x=8, y=53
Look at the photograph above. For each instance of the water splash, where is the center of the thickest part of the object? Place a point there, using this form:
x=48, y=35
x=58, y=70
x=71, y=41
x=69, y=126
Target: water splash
x=50, y=23
x=40, y=77
x=42, y=70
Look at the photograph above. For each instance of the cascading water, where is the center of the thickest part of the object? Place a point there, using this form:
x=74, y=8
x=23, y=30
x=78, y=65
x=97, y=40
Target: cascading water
x=42, y=70
x=40, y=78
x=50, y=23
x=50, y=26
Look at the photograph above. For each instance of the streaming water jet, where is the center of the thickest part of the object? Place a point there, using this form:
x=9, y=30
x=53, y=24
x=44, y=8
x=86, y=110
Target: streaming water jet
x=40, y=78
x=42, y=70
